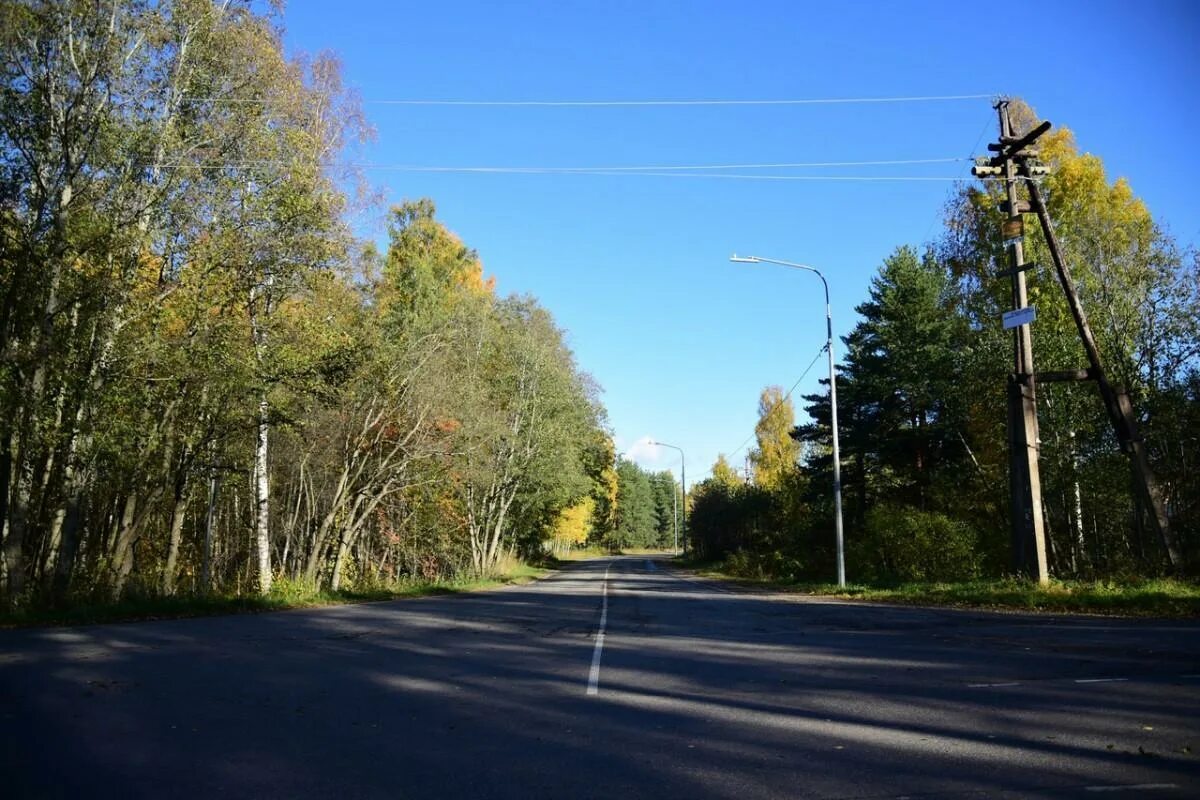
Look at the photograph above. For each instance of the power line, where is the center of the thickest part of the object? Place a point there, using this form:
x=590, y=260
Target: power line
x=647, y=172
x=602, y=169
x=742, y=177
x=655, y=168
x=640, y=103
x=986, y=124
x=785, y=397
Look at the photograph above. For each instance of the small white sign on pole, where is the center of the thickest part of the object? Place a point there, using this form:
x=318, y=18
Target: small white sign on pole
x=1019, y=316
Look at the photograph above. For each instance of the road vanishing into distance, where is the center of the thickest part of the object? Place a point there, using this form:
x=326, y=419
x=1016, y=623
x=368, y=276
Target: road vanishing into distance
x=613, y=678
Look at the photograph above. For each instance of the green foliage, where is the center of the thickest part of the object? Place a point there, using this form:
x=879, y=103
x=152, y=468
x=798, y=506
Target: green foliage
x=599, y=455
x=772, y=564
x=667, y=509
x=744, y=517
x=636, y=519
x=182, y=306
x=645, y=509
x=427, y=271
x=905, y=544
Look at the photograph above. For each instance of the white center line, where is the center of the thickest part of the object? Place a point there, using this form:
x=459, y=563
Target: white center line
x=989, y=685
x=1134, y=787
x=594, y=675
x=1101, y=680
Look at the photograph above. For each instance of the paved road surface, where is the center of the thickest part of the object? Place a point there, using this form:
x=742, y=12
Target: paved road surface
x=699, y=693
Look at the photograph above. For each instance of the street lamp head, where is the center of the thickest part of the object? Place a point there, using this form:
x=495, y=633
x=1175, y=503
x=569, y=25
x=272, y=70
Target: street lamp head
x=743, y=259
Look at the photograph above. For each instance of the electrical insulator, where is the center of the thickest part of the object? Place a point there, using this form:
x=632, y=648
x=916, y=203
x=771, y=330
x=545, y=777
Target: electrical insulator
x=982, y=170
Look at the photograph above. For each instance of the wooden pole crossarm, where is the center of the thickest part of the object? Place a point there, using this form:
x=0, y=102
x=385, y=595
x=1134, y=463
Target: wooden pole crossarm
x=1009, y=147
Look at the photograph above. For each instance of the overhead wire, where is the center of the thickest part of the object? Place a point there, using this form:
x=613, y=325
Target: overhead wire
x=674, y=167
x=804, y=374
x=709, y=171
x=685, y=171
x=745, y=177
x=970, y=157
x=637, y=103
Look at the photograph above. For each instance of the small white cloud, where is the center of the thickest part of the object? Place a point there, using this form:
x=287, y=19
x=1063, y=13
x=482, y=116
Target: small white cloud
x=643, y=452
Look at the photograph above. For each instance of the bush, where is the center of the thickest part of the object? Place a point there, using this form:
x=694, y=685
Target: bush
x=906, y=544
x=771, y=565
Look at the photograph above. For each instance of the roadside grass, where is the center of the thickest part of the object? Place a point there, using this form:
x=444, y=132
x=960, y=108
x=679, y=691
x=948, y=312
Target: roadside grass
x=285, y=594
x=582, y=554
x=1150, y=597
x=585, y=553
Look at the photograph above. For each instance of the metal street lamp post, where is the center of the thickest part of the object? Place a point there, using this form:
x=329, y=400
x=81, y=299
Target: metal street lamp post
x=683, y=481
x=837, y=464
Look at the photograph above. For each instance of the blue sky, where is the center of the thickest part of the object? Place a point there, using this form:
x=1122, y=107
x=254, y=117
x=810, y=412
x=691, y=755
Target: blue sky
x=636, y=268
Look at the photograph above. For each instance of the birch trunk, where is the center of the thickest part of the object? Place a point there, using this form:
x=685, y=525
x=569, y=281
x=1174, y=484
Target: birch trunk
x=214, y=487
x=178, y=511
x=122, y=557
x=262, y=501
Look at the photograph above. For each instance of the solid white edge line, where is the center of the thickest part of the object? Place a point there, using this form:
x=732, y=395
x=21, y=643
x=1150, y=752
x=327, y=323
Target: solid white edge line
x=594, y=676
x=1101, y=680
x=1136, y=787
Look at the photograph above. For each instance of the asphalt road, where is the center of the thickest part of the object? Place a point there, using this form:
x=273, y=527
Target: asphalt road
x=692, y=692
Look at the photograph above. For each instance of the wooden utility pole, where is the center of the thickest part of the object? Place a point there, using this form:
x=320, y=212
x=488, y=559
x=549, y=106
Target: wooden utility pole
x=1013, y=155
x=1025, y=485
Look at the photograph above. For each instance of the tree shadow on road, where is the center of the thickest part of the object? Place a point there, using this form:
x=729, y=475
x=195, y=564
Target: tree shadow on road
x=703, y=693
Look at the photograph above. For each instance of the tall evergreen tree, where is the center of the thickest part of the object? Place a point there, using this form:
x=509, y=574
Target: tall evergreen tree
x=637, y=520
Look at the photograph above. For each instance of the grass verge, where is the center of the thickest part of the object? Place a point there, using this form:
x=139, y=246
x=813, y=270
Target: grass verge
x=1159, y=597
x=582, y=554
x=585, y=553
x=284, y=595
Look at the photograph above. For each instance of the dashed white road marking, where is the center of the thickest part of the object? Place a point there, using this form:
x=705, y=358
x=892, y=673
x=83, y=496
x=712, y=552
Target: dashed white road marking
x=594, y=676
x=1053, y=680
x=1133, y=787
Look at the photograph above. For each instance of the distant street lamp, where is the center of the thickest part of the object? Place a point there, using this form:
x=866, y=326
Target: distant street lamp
x=683, y=481
x=837, y=464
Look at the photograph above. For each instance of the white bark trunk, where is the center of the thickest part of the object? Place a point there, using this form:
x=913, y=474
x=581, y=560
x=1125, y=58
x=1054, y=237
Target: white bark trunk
x=262, y=501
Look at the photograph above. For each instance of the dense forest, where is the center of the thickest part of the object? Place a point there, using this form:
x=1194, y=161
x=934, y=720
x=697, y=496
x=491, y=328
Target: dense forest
x=208, y=383
x=921, y=404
